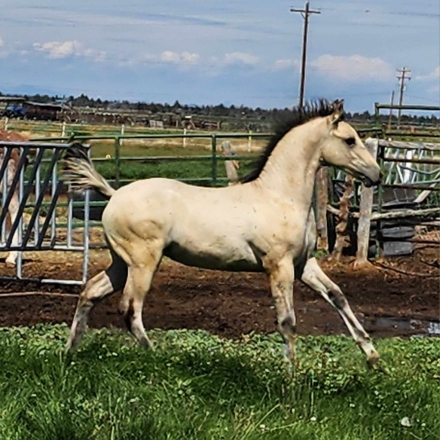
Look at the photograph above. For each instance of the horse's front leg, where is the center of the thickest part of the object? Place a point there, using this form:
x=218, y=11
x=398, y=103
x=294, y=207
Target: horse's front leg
x=281, y=278
x=315, y=278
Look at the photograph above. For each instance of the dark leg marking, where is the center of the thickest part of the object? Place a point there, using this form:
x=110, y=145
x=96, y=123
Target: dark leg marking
x=129, y=315
x=338, y=299
x=287, y=325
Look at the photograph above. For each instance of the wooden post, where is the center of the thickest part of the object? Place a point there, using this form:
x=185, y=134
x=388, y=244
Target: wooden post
x=122, y=134
x=184, y=138
x=342, y=240
x=232, y=165
x=321, y=195
x=250, y=141
x=365, y=212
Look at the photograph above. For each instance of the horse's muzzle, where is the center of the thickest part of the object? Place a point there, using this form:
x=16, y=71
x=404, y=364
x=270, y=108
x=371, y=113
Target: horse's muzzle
x=372, y=181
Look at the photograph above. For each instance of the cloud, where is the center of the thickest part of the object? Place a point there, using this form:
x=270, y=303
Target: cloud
x=183, y=58
x=192, y=59
x=235, y=58
x=57, y=49
x=285, y=64
x=170, y=57
x=435, y=74
x=4, y=53
x=64, y=49
x=353, y=68
x=241, y=58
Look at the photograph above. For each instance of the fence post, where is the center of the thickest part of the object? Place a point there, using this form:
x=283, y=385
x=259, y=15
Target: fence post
x=344, y=212
x=214, y=159
x=250, y=141
x=321, y=194
x=380, y=152
x=122, y=133
x=376, y=113
x=184, y=137
x=365, y=211
x=117, y=159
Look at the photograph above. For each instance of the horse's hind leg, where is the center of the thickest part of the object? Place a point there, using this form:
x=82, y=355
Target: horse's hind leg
x=100, y=286
x=140, y=276
x=315, y=278
x=138, y=284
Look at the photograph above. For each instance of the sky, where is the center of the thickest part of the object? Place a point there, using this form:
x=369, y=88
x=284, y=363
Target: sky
x=221, y=51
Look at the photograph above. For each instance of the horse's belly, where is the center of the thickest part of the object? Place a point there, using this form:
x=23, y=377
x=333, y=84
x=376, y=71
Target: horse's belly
x=234, y=260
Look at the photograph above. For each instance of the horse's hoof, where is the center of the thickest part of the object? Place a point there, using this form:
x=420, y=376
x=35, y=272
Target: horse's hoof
x=373, y=359
x=10, y=264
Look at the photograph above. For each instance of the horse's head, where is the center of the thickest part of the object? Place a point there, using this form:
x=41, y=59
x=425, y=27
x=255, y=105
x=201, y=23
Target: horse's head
x=344, y=149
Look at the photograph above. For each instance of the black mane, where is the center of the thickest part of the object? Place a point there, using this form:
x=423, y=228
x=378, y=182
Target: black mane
x=282, y=125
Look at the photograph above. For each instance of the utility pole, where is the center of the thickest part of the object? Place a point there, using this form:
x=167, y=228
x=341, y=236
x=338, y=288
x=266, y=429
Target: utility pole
x=305, y=14
x=402, y=79
x=391, y=110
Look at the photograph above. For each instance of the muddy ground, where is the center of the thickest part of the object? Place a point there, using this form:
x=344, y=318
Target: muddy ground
x=233, y=304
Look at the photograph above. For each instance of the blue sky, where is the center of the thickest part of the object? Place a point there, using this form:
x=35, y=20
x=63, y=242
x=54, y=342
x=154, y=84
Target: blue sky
x=224, y=51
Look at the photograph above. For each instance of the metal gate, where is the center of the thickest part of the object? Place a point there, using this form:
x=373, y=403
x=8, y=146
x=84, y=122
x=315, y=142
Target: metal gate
x=41, y=195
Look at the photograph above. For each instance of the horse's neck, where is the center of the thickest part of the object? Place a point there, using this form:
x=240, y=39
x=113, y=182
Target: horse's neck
x=11, y=136
x=14, y=155
x=291, y=168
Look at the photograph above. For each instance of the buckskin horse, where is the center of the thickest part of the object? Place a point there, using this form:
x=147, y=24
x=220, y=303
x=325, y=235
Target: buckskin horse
x=263, y=224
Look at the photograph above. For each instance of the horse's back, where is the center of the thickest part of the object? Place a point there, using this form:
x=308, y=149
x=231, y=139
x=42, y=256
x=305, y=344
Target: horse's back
x=161, y=199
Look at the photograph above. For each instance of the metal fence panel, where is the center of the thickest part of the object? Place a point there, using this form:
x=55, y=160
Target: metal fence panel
x=33, y=181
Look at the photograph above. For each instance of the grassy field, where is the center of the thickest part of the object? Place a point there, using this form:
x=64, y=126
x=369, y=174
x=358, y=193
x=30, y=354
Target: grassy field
x=197, y=386
x=147, y=166
x=148, y=148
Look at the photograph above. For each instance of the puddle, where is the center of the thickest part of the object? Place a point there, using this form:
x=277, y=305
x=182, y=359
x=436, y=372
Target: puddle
x=427, y=328
x=434, y=328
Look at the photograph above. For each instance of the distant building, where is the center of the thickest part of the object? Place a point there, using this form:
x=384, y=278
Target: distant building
x=19, y=107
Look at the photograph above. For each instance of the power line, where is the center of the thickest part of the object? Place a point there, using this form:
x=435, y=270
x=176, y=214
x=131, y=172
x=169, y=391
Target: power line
x=305, y=13
x=382, y=12
x=424, y=99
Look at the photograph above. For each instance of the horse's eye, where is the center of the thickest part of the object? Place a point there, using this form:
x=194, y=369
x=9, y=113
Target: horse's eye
x=351, y=141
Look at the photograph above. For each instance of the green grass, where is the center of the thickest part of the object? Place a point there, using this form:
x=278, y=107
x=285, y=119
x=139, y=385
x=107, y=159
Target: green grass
x=175, y=169
x=185, y=169
x=136, y=170
x=197, y=386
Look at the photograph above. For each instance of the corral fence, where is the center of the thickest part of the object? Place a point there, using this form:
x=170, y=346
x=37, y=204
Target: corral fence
x=44, y=219
x=51, y=220
x=387, y=220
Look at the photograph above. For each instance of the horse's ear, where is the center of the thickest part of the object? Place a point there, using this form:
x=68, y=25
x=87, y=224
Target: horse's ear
x=338, y=111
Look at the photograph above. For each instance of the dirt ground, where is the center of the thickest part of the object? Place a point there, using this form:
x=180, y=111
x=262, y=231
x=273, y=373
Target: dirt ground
x=387, y=301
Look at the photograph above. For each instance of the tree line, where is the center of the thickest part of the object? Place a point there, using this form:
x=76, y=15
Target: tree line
x=219, y=110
